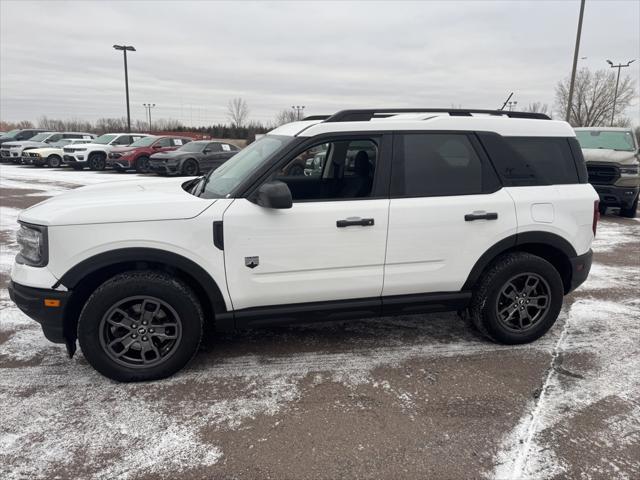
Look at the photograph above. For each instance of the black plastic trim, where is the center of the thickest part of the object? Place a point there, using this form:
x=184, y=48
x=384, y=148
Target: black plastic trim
x=363, y=115
x=218, y=234
x=580, y=268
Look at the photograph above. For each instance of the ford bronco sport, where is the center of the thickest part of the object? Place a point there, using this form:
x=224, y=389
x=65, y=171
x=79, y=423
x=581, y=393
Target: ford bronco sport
x=411, y=211
x=612, y=156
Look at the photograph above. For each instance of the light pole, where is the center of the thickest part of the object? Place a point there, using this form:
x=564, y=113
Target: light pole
x=299, y=109
x=575, y=60
x=615, y=95
x=512, y=105
x=125, y=49
x=148, y=107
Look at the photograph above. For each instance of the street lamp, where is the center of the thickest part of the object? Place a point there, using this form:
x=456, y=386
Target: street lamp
x=575, y=60
x=512, y=105
x=615, y=95
x=125, y=49
x=299, y=109
x=148, y=107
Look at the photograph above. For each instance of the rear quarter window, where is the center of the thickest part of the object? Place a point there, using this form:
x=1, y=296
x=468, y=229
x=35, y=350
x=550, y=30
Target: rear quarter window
x=523, y=161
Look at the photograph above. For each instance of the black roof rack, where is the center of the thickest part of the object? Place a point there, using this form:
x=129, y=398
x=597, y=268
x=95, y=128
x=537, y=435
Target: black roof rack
x=316, y=117
x=364, y=115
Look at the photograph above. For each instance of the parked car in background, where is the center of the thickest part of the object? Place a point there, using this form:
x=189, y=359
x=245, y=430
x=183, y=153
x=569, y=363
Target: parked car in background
x=12, y=150
x=193, y=158
x=94, y=154
x=136, y=156
x=612, y=156
x=50, y=156
x=19, y=135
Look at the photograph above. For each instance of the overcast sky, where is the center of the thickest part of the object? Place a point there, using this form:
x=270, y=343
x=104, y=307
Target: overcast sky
x=56, y=58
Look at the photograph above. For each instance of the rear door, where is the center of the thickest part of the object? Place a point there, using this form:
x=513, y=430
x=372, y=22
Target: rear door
x=447, y=208
x=329, y=246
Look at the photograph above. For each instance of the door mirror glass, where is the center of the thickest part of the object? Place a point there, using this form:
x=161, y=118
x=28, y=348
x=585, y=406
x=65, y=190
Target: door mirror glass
x=275, y=194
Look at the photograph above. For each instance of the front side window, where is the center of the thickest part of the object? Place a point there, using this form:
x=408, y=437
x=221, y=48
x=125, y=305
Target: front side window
x=431, y=165
x=41, y=137
x=143, y=142
x=163, y=142
x=122, y=140
x=214, y=147
x=334, y=170
x=54, y=138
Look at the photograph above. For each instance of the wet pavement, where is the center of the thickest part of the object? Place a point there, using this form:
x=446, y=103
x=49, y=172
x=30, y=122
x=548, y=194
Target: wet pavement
x=420, y=396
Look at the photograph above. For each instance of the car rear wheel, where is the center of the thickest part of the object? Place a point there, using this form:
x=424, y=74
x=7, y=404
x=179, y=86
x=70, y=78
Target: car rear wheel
x=631, y=211
x=142, y=165
x=54, y=161
x=97, y=161
x=140, y=325
x=518, y=299
x=190, y=167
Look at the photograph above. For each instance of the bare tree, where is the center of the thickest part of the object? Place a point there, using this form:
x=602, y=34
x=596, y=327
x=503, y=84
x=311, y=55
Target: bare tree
x=538, y=107
x=237, y=111
x=285, y=116
x=593, y=98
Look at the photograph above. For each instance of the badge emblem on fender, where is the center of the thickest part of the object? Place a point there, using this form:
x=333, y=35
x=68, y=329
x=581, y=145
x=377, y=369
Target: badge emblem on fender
x=251, y=262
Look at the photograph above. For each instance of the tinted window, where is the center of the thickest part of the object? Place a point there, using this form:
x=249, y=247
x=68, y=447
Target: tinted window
x=164, y=142
x=214, y=147
x=548, y=160
x=428, y=165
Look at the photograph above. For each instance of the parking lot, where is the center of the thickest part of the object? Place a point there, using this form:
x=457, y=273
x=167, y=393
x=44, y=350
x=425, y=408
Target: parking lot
x=408, y=397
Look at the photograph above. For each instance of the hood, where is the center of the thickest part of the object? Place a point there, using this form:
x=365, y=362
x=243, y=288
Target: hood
x=172, y=154
x=115, y=202
x=606, y=155
x=124, y=149
x=13, y=144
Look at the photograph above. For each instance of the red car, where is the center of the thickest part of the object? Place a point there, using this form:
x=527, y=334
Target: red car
x=136, y=156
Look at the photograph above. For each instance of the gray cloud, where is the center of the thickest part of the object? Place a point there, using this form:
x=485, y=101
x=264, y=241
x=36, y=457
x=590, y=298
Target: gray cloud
x=56, y=57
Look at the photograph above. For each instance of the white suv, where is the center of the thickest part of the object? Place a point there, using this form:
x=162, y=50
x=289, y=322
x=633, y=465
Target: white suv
x=409, y=211
x=94, y=154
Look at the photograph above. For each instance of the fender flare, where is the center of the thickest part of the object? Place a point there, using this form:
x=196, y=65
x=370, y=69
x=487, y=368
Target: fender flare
x=93, y=264
x=540, y=238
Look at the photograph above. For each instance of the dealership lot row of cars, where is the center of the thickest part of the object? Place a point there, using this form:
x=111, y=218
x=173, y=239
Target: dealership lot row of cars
x=161, y=154
x=612, y=156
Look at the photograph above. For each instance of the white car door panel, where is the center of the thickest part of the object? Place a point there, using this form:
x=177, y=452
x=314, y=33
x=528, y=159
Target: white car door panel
x=299, y=255
x=432, y=248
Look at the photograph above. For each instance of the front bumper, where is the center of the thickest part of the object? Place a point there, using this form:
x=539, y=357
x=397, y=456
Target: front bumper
x=74, y=160
x=45, y=306
x=119, y=163
x=164, y=167
x=614, y=196
x=580, y=268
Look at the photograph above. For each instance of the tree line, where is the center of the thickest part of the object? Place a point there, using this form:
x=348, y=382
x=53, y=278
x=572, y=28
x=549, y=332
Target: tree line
x=593, y=106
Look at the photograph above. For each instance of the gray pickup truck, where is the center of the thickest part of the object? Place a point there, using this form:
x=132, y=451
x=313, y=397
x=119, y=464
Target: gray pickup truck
x=612, y=156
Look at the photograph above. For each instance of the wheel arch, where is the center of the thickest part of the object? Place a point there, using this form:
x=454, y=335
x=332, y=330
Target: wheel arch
x=86, y=276
x=553, y=248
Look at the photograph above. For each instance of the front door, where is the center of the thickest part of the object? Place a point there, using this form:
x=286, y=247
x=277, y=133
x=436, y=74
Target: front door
x=329, y=246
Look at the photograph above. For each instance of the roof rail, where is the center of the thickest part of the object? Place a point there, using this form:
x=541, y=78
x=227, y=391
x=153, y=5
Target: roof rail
x=364, y=115
x=316, y=117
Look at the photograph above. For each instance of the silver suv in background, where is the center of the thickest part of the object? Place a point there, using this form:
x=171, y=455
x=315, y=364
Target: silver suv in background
x=612, y=156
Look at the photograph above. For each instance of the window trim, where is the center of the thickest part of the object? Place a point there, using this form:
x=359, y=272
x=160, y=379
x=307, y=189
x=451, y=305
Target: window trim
x=491, y=181
x=380, y=188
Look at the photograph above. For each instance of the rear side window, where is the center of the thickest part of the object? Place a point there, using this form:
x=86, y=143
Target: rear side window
x=434, y=164
x=528, y=161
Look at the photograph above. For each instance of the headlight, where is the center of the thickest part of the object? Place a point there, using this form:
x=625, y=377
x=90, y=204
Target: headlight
x=32, y=240
x=629, y=170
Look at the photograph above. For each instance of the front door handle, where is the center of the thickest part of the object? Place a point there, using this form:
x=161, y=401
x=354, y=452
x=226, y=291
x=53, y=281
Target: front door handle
x=355, y=221
x=470, y=217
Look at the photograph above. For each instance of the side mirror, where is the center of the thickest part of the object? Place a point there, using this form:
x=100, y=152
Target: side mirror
x=274, y=194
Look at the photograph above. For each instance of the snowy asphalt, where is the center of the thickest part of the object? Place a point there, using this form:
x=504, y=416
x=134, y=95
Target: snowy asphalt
x=409, y=397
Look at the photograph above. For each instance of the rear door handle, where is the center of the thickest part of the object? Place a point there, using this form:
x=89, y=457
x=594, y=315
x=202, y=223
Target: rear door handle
x=355, y=221
x=470, y=217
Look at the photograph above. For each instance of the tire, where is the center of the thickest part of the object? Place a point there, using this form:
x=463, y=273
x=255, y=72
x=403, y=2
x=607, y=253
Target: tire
x=54, y=161
x=97, y=161
x=142, y=164
x=501, y=317
x=112, y=313
x=631, y=211
x=190, y=168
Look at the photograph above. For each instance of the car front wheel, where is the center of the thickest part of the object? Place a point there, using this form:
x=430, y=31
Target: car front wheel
x=140, y=325
x=190, y=168
x=54, y=161
x=97, y=162
x=630, y=212
x=518, y=299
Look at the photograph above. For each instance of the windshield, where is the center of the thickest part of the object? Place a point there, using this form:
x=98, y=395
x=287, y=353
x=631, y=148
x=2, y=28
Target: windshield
x=192, y=147
x=104, y=139
x=10, y=133
x=622, y=141
x=222, y=181
x=39, y=137
x=144, y=142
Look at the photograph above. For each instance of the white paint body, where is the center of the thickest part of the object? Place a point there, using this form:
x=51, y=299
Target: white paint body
x=81, y=153
x=416, y=245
